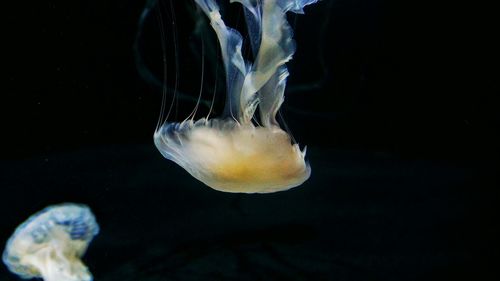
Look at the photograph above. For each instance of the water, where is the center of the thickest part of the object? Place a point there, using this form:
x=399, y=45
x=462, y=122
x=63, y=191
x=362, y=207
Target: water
x=404, y=174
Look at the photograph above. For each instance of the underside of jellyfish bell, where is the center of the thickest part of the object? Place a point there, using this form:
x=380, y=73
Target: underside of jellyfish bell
x=231, y=153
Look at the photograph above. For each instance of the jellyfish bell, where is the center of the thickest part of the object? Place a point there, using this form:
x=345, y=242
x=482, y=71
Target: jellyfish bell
x=50, y=243
x=235, y=153
x=232, y=157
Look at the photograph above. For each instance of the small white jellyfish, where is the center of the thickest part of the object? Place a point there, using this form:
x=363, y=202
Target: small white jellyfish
x=50, y=243
x=236, y=153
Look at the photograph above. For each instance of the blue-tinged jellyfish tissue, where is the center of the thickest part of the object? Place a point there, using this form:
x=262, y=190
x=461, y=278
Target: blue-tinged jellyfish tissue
x=50, y=243
x=235, y=153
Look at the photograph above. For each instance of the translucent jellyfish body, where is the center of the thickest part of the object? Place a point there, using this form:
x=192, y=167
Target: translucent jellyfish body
x=50, y=243
x=234, y=153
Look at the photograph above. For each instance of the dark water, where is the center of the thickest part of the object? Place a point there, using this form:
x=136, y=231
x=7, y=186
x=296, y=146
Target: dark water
x=401, y=135
x=361, y=216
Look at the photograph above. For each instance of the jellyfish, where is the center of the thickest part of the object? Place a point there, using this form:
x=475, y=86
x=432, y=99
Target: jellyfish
x=245, y=150
x=50, y=243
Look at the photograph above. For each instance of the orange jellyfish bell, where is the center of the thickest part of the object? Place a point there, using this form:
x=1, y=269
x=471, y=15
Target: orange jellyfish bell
x=230, y=153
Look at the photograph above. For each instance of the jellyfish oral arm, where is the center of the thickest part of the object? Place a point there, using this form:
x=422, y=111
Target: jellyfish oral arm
x=230, y=42
x=55, y=263
x=263, y=82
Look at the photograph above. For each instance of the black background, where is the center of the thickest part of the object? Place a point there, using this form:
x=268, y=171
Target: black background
x=397, y=103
